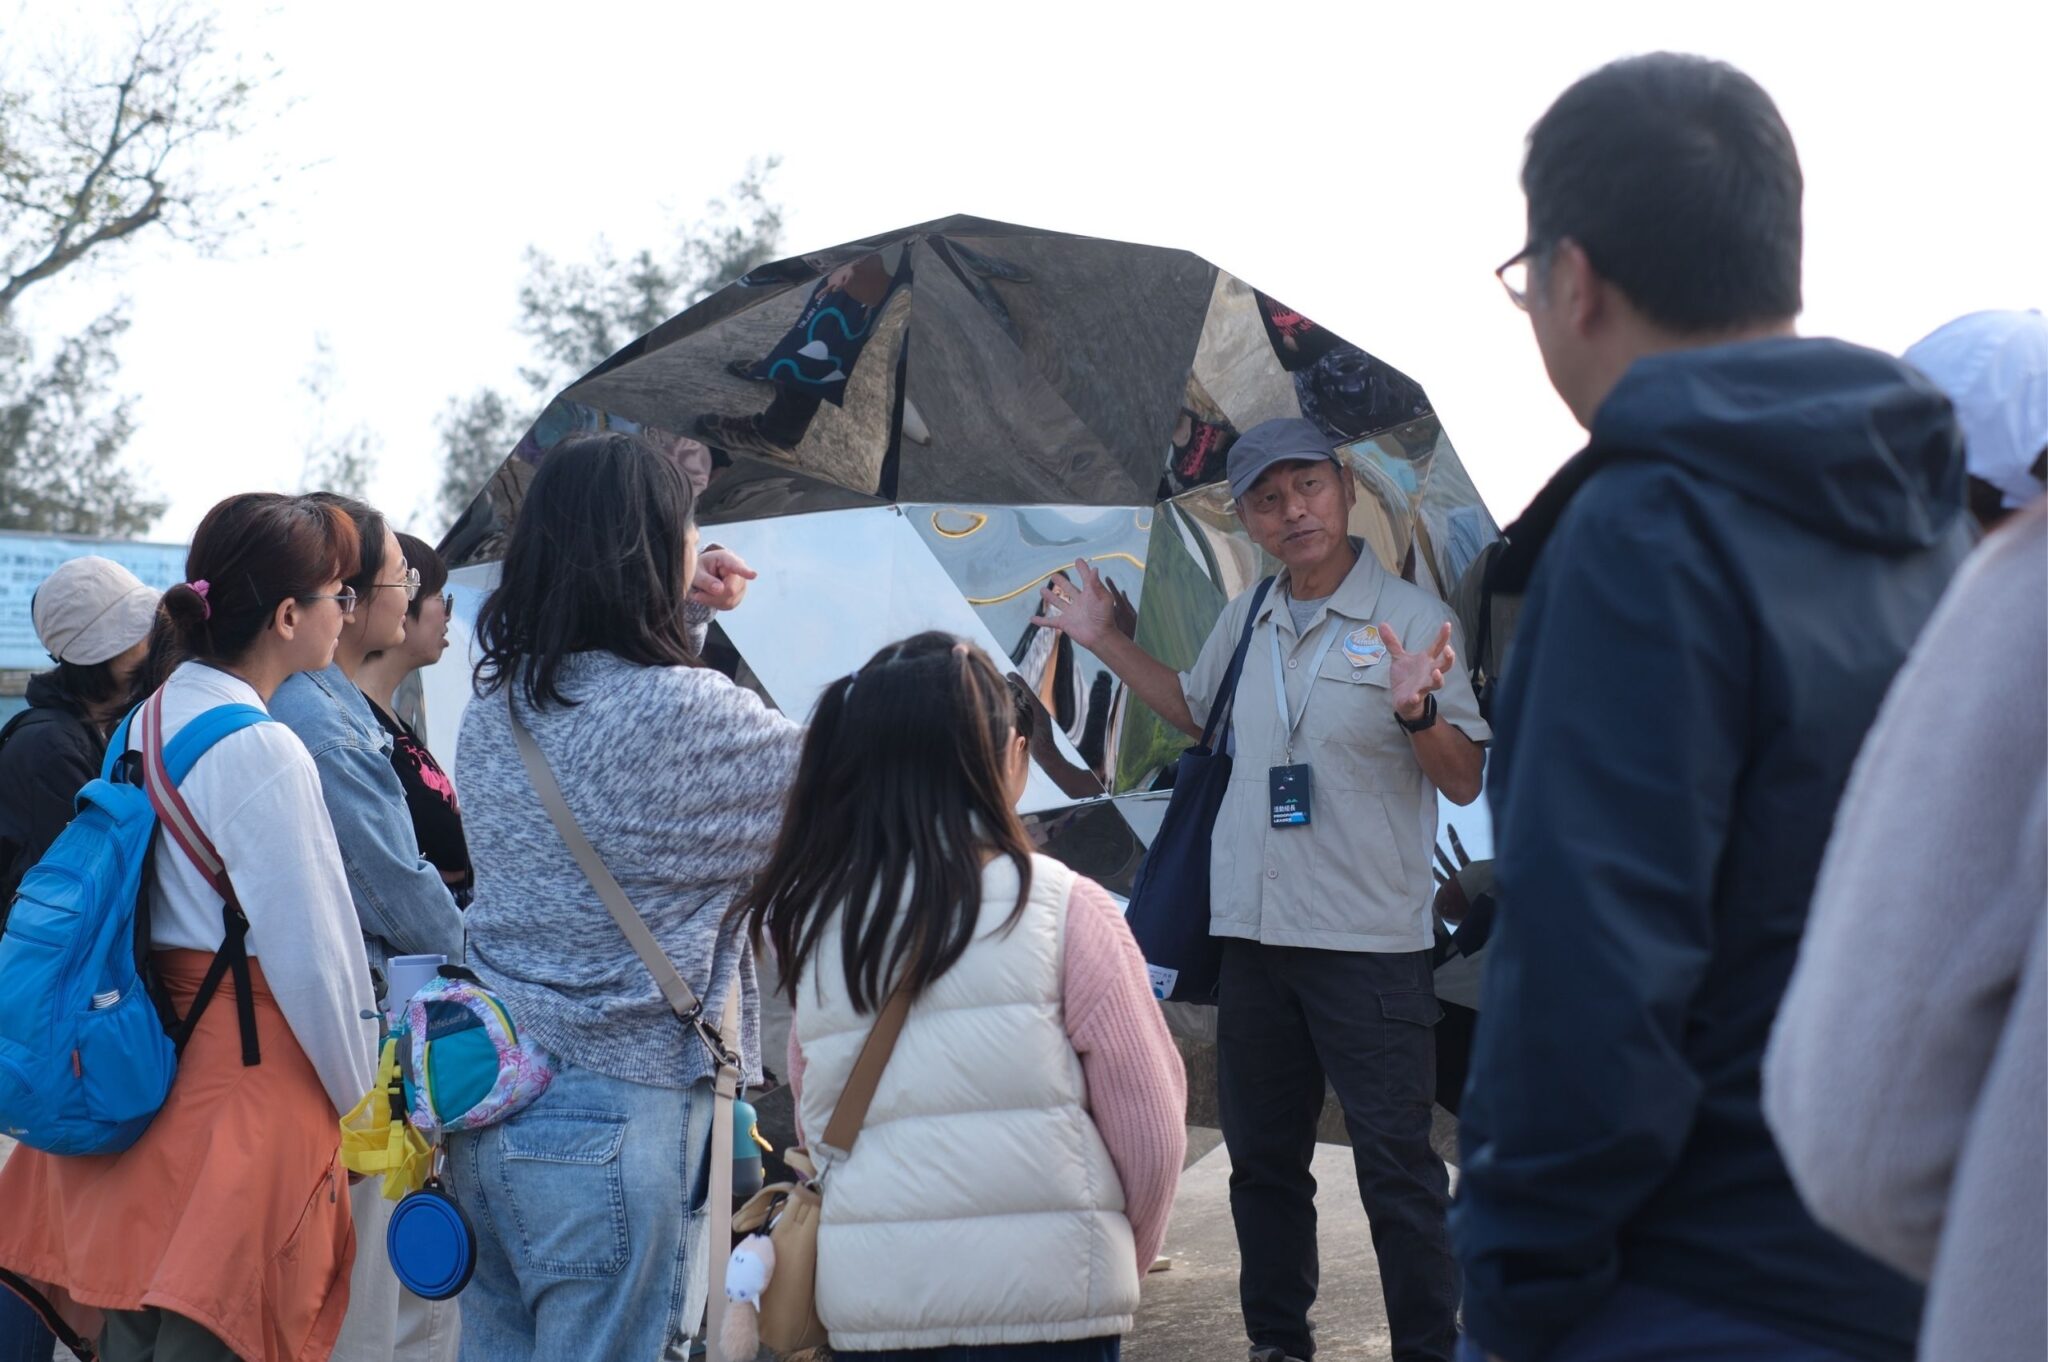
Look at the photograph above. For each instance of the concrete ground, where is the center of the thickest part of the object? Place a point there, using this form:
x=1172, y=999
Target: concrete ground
x=1190, y=1309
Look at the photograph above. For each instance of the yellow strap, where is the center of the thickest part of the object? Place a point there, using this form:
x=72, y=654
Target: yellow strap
x=377, y=1139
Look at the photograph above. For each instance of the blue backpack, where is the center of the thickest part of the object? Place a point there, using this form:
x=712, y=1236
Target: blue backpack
x=88, y=1044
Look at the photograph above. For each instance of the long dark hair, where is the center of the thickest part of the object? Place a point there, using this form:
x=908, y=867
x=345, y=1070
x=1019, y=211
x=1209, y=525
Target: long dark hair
x=899, y=796
x=595, y=562
x=254, y=551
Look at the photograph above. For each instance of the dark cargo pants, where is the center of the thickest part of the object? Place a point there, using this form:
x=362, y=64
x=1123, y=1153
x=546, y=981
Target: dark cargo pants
x=1287, y=1017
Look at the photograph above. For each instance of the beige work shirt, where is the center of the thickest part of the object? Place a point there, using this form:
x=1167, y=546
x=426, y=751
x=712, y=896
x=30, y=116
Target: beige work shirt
x=1357, y=878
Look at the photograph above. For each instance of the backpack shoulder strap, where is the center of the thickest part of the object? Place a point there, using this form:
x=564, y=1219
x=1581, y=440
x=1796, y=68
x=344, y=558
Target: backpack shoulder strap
x=197, y=738
x=160, y=778
x=117, y=745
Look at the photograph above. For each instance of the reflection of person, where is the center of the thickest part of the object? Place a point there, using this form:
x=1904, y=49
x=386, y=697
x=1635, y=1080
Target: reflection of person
x=1994, y=367
x=222, y=1232
x=94, y=618
x=587, y=1203
x=1907, y=1079
x=1031, y=1033
x=1719, y=588
x=812, y=362
x=1332, y=906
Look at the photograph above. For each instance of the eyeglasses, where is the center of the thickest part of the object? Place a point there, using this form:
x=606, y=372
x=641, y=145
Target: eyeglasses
x=448, y=602
x=1515, y=274
x=410, y=582
x=345, y=598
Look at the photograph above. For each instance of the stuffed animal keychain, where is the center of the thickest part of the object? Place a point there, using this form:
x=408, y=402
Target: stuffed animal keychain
x=747, y=1276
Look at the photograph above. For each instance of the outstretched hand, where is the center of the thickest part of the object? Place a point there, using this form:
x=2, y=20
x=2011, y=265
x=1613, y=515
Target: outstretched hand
x=721, y=580
x=1412, y=676
x=1084, y=607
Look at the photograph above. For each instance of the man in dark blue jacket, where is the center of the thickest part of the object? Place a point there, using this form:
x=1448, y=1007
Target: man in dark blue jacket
x=1718, y=591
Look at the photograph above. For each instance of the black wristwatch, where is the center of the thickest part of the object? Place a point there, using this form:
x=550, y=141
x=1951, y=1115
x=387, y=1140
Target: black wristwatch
x=1426, y=722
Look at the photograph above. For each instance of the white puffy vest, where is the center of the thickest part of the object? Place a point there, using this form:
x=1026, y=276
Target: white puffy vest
x=979, y=1204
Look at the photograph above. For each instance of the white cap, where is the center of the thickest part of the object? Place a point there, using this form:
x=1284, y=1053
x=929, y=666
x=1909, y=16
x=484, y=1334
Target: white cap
x=91, y=609
x=1994, y=367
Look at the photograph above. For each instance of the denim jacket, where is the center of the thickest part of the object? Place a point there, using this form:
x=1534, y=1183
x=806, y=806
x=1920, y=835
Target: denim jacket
x=403, y=906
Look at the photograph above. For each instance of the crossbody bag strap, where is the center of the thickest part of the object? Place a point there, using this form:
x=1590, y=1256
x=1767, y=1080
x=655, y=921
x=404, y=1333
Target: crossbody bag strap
x=1226, y=694
x=858, y=1095
x=682, y=999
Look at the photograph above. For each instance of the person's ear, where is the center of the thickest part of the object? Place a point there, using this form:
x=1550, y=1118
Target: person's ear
x=285, y=619
x=1574, y=289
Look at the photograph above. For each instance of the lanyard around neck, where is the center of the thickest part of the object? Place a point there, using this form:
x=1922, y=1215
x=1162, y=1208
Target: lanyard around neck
x=1290, y=722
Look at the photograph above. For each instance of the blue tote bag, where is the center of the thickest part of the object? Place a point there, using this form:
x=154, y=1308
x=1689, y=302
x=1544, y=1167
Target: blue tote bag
x=1169, y=911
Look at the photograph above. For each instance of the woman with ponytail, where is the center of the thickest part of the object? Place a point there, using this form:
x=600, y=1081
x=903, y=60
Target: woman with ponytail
x=1011, y=1182
x=224, y=1231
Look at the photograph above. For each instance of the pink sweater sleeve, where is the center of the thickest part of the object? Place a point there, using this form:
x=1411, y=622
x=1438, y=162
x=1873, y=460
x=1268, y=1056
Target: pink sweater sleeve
x=1137, y=1088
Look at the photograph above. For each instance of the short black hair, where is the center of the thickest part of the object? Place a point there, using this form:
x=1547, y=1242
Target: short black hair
x=1677, y=177
x=421, y=558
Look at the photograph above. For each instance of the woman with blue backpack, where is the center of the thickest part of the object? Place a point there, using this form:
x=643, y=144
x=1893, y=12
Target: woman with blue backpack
x=216, y=1224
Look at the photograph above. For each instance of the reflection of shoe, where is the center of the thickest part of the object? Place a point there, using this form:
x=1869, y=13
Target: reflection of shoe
x=747, y=370
x=741, y=435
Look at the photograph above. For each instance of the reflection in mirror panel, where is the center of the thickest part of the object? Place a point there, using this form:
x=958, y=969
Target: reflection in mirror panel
x=921, y=428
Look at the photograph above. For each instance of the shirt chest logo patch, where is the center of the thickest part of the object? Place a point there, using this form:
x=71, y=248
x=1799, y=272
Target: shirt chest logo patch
x=1362, y=646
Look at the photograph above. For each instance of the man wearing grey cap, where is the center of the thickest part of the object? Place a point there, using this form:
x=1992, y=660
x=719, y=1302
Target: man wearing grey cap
x=1351, y=714
x=94, y=618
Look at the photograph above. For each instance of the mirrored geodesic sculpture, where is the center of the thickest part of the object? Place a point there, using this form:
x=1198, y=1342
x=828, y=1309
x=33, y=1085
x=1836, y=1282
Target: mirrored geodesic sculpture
x=921, y=429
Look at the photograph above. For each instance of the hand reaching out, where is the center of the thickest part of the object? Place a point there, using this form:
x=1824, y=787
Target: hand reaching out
x=1413, y=676
x=721, y=580
x=1086, y=608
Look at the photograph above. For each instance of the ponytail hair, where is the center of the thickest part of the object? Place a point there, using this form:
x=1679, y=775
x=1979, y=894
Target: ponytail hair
x=899, y=798
x=251, y=553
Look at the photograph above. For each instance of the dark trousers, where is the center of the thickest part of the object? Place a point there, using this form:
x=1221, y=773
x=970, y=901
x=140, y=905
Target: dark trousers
x=1642, y=1324
x=1288, y=1017
x=153, y=1335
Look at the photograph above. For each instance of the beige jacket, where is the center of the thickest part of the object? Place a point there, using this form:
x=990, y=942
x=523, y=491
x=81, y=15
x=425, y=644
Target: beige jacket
x=979, y=1204
x=1357, y=878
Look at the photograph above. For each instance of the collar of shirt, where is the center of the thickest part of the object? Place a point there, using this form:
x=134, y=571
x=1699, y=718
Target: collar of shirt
x=1355, y=599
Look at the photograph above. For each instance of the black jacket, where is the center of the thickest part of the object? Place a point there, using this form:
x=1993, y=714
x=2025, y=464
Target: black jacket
x=47, y=754
x=1720, y=588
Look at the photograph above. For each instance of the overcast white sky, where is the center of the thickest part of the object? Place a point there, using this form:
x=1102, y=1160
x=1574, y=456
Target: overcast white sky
x=1357, y=160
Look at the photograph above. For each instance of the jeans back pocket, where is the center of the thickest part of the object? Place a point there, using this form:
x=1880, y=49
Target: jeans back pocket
x=561, y=1177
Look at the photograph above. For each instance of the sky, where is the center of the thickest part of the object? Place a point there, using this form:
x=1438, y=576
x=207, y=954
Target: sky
x=1357, y=160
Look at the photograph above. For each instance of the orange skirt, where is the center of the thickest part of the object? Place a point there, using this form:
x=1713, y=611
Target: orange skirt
x=232, y=1209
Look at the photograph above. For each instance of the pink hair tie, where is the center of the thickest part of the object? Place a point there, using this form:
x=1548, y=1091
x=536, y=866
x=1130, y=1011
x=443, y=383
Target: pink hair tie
x=200, y=588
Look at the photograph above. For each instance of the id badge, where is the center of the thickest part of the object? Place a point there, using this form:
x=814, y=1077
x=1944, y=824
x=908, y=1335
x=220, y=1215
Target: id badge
x=1291, y=789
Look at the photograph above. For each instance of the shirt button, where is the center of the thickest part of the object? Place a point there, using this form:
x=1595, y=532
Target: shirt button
x=1291, y=662
x=1272, y=874
x=1358, y=676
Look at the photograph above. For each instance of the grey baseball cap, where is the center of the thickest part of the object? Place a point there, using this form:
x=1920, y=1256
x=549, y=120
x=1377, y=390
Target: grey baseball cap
x=1288, y=439
x=91, y=609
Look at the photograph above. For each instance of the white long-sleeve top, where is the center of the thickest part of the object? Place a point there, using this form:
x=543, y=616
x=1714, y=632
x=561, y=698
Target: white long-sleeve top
x=257, y=796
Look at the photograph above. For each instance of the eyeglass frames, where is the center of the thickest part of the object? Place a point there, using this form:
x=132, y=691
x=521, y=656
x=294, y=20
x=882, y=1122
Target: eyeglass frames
x=345, y=598
x=410, y=583
x=1514, y=274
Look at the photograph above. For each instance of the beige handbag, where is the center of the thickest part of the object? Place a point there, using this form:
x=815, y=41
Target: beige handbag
x=789, y=1307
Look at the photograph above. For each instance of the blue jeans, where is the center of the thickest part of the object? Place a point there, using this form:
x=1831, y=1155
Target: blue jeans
x=1642, y=1324
x=589, y=1210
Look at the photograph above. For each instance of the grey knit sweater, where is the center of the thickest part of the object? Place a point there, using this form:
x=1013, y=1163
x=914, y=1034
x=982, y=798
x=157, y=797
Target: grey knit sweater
x=678, y=777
